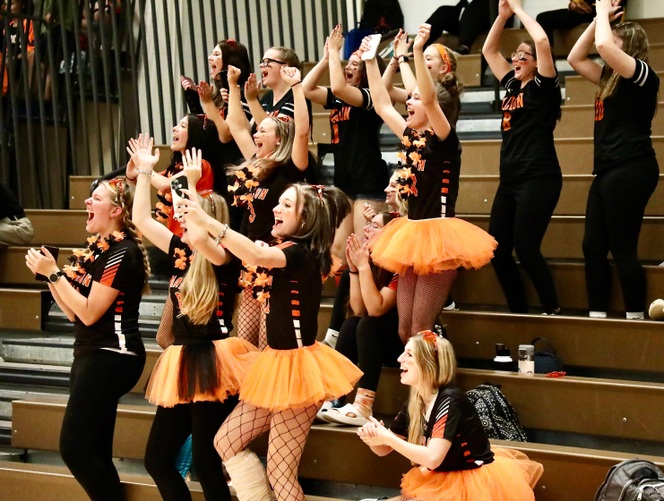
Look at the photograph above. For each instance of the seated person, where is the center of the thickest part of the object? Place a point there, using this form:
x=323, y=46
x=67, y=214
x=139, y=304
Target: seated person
x=15, y=227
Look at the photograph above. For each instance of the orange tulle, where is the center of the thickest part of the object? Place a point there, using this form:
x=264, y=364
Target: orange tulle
x=235, y=357
x=431, y=245
x=511, y=477
x=282, y=379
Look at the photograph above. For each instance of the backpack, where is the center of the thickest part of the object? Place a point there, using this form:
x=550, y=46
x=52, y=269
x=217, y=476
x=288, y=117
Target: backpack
x=546, y=359
x=497, y=415
x=632, y=479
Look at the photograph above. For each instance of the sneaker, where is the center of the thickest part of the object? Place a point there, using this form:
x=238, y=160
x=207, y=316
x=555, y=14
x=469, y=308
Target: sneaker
x=450, y=307
x=552, y=313
x=348, y=415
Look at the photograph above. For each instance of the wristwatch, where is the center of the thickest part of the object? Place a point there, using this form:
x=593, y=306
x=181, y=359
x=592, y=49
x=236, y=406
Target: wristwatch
x=403, y=59
x=54, y=277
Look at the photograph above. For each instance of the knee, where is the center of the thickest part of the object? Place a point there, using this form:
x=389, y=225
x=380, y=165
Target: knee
x=72, y=455
x=222, y=446
x=155, y=462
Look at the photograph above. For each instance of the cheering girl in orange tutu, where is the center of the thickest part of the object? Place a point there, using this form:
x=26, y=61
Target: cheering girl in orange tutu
x=445, y=437
x=196, y=379
x=428, y=246
x=294, y=374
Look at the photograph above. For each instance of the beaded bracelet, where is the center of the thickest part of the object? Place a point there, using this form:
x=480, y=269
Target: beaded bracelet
x=221, y=235
x=147, y=172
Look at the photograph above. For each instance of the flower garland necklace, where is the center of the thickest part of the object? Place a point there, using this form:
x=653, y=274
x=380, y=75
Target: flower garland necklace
x=82, y=258
x=411, y=155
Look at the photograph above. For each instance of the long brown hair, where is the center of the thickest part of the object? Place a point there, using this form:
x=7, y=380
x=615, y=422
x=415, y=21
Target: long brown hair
x=635, y=44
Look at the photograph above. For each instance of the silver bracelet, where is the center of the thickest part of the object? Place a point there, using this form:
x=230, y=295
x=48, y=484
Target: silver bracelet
x=148, y=172
x=221, y=235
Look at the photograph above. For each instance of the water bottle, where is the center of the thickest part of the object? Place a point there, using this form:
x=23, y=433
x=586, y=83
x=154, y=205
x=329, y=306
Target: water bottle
x=503, y=360
x=526, y=359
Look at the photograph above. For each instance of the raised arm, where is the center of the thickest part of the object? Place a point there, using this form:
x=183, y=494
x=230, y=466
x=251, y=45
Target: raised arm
x=250, y=252
x=545, y=64
x=312, y=91
x=347, y=93
x=237, y=120
x=401, y=46
x=381, y=99
x=621, y=62
x=491, y=49
x=143, y=157
x=211, y=111
x=579, y=58
x=441, y=126
x=251, y=95
x=300, y=154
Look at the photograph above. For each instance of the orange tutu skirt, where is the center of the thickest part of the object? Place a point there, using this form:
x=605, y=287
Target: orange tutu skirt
x=283, y=379
x=431, y=245
x=511, y=477
x=235, y=357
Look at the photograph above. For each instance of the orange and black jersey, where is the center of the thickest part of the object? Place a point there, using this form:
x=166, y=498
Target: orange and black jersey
x=120, y=267
x=220, y=324
x=623, y=120
x=453, y=418
x=529, y=118
x=294, y=299
x=359, y=167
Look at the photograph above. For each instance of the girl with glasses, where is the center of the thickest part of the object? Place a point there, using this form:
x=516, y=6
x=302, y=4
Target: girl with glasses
x=530, y=176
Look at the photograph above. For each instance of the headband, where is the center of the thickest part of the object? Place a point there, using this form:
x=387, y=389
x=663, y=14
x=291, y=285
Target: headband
x=442, y=50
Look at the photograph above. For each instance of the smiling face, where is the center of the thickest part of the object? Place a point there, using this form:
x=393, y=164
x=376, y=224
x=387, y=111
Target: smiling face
x=180, y=135
x=271, y=67
x=216, y=61
x=391, y=192
x=102, y=213
x=286, y=215
x=434, y=62
x=524, y=63
x=417, y=115
x=266, y=138
x=354, y=71
x=410, y=371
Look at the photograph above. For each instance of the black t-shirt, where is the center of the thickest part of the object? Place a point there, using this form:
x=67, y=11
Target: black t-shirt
x=120, y=267
x=294, y=299
x=283, y=107
x=529, y=117
x=623, y=120
x=433, y=168
x=221, y=323
x=359, y=167
x=453, y=418
x=260, y=200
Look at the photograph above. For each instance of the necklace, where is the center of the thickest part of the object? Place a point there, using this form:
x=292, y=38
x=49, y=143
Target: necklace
x=82, y=258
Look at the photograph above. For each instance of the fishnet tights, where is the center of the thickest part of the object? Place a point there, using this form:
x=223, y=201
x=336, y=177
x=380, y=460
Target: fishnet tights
x=165, y=336
x=251, y=321
x=288, y=433
x=420, y=299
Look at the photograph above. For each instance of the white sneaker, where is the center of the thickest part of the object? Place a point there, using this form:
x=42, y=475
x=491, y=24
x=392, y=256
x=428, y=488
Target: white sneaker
x=348, y=415
x=320, y=415
x=450, y=307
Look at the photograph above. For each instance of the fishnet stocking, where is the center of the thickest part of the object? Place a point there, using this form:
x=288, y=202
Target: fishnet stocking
x=288, y=433
x=251, y=321
x=165, y=336
x=420, y=299
x=245, y=423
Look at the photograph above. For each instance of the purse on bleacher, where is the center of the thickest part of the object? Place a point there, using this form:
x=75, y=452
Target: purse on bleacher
x=546, y=358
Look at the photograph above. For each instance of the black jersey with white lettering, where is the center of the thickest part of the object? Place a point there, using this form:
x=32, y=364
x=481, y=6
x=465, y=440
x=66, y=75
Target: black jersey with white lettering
x=623, y=120
x=530, y=114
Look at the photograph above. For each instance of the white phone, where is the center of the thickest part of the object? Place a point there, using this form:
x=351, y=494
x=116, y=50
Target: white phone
x=374, y=42
x=177, y=185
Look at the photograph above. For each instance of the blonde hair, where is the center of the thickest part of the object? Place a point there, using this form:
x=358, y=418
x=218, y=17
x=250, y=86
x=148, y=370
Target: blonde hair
x=199, y=291
x=435, y=359
x=285, y=131
x=635, y=44
x=400, y=203
x=122, y=195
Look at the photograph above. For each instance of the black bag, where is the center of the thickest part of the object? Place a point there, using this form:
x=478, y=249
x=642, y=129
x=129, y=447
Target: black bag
x=546, y=359
x=632, y=479
x=497, y=415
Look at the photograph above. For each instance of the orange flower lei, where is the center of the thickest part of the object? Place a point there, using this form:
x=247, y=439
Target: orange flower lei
x=259, y=280
x=81, y=258
x=411, y=155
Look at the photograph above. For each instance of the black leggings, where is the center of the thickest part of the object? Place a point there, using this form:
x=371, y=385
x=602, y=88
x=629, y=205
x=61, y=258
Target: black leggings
x=170, y=429
x=561, y=19
x=97, y=381
x=371, y=342
x=614, y=214
x=520, y=214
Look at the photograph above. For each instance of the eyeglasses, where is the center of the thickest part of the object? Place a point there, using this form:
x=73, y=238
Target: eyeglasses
x=521, y=55
x=266, y=61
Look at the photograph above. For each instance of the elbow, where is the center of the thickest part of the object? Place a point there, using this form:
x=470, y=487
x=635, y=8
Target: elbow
x=86, y=320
